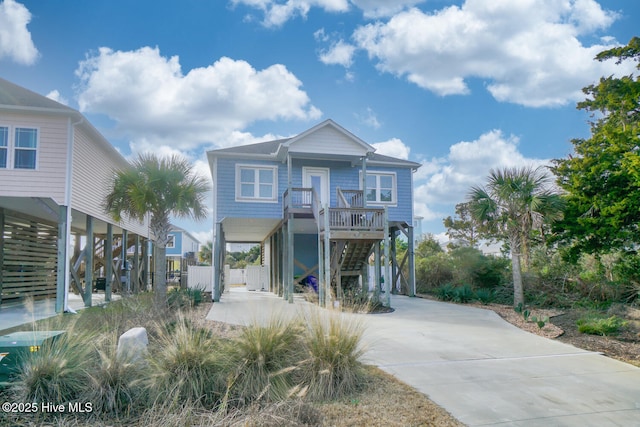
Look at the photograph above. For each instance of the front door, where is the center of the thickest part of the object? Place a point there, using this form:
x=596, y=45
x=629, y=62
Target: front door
x=318, y=179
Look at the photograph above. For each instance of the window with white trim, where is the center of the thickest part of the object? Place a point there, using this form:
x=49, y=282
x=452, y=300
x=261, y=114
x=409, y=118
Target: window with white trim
x=18, y=149
x=171, y=242
x=256, y=183
x=381, y=188
x=4, y=147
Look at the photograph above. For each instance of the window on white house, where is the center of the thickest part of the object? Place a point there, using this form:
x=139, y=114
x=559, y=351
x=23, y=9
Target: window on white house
x=25, y=148
x=4, y=146
x=381, y=188
x=256, y=183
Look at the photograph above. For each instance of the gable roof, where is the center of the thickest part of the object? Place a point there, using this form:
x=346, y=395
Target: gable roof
x=278, y=149
x=16, y=98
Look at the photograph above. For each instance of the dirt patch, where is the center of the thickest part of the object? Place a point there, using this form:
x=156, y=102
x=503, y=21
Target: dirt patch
x=562, y=326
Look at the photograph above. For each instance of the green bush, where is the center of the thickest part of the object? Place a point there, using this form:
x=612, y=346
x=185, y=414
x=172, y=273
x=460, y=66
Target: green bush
x=463, y=294
x=600, y=325
x=445, y=292
x=434, y=271
x=485, y=296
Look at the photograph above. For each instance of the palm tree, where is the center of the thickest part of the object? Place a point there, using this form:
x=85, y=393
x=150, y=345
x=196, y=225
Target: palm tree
x=206, y=252
x=513, y=203
x=160, y=187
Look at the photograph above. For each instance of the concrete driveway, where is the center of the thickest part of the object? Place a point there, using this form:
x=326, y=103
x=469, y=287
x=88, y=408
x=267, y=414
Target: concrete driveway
x=481, y=369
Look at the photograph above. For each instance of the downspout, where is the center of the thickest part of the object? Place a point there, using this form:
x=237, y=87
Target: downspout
x=67, y=202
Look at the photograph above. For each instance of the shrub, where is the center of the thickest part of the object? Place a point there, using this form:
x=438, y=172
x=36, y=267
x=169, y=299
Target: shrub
x=485, y=296
x=600, y=325
x=445, y=292
x=184, y=298
x=463, y=294
x=264, y=357
x=331, y=366
x=186, y=365
x=115, y=384
x=57, y=372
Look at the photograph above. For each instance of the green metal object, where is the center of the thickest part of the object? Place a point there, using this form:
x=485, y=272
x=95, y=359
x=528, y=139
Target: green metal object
x=15, y=347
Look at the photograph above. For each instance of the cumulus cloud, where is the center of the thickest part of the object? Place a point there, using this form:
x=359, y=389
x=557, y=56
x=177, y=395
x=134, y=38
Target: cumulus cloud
x=382, y=8
x=527, y=52
x=443, y=182
x=393, y=147
x=339, y=53
x=278, y=12
x=56, y=96
x=149, y=97
x=15, y=38
x=369, y=118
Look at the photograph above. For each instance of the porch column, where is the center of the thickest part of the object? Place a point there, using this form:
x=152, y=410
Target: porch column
x=216, y=268
x=108, y=257
x=412, y=266
x=124, y=266
x=285, y=261
x=320, y=284
x=364, y=181
x=394, y=264
x=62, y=280
x=88, y=263
x=290, y=259
x=376, y=268
x=327, y=260
x=136, y=265
x=387, y=273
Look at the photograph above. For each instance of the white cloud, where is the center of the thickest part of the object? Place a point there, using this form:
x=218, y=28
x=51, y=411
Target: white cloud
x=55, y=95
x=203, y=236
x=278, y=12
x=339, y=53
x=15, y=38
x=370, y=119
x=445, y=182
x=393, y=147
x=381, y=8
x=526, y=51
x=149, y=97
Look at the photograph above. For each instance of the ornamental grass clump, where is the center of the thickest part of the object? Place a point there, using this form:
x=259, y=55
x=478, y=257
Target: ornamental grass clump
x=57, y=372
x=265, y=358
x=186, y=364
x=333, y=349
x=115, y=385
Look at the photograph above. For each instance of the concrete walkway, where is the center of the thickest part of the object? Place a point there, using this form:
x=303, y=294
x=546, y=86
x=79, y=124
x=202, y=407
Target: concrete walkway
x=481, y=369
x=27, y=311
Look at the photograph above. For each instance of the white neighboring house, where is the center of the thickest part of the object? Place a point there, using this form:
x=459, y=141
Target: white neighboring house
x=55, y=170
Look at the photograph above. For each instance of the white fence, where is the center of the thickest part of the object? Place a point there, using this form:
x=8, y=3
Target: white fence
x=257, y=278
x=199, y=277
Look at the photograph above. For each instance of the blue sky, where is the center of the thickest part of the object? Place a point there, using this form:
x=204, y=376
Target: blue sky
x=459, y=86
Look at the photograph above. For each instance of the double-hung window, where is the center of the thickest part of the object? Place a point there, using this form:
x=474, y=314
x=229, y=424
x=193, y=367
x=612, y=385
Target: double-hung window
x=18, y=149
x=256, y=183
x=4, y=147
x=381, y=188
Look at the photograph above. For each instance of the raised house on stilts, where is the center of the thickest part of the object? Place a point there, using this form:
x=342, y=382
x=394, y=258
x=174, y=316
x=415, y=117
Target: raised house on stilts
x=322, y=203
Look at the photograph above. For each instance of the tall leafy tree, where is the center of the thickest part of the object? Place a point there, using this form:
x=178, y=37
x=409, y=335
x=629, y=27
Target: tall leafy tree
x=514, y=202
x=462, y=229
x=602, y=178
x=162, y=188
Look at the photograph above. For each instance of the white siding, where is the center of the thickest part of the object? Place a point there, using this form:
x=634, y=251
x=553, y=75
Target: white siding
x=327, y=140
x=48, y=180
x=93, y=168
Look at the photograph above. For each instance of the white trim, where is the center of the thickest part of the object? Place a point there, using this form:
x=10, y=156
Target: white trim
x=11, y=146
x=394, y=189
x=256, y=167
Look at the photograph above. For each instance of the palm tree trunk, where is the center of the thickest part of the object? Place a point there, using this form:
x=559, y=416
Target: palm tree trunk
x=160, y=275
x=518, y=290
